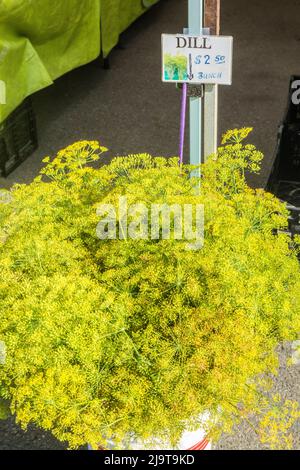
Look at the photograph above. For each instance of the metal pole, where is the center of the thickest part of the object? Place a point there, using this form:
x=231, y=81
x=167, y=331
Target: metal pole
x=196, y=19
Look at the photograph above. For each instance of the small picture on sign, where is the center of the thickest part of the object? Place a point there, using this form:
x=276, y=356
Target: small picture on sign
x=175, y=67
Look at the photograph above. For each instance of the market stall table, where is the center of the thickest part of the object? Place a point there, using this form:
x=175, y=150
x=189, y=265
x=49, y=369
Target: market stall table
x=42, y=40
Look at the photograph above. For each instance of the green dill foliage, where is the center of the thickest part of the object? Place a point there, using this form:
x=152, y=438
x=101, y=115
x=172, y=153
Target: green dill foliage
x=109, y=337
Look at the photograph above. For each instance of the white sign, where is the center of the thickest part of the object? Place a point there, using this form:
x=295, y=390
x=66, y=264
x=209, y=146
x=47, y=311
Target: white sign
x=197, y=59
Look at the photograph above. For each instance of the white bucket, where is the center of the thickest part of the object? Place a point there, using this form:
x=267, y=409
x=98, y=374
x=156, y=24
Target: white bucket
x=190, y=440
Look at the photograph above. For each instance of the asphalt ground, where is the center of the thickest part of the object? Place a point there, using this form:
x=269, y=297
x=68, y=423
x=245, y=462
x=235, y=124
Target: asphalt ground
x=130, y=111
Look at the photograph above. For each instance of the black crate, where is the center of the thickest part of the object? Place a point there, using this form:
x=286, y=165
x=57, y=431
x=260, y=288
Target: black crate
x=284, y=180
x=18, y=137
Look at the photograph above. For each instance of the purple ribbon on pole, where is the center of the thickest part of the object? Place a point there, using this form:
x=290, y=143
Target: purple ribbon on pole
x=182, y=122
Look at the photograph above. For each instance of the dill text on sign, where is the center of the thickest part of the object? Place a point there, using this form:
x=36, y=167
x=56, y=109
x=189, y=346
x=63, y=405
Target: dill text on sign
x=193, y=42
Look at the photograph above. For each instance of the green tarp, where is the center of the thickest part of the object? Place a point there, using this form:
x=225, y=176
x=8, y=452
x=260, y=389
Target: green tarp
x=41, y=40
x=116, y=16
